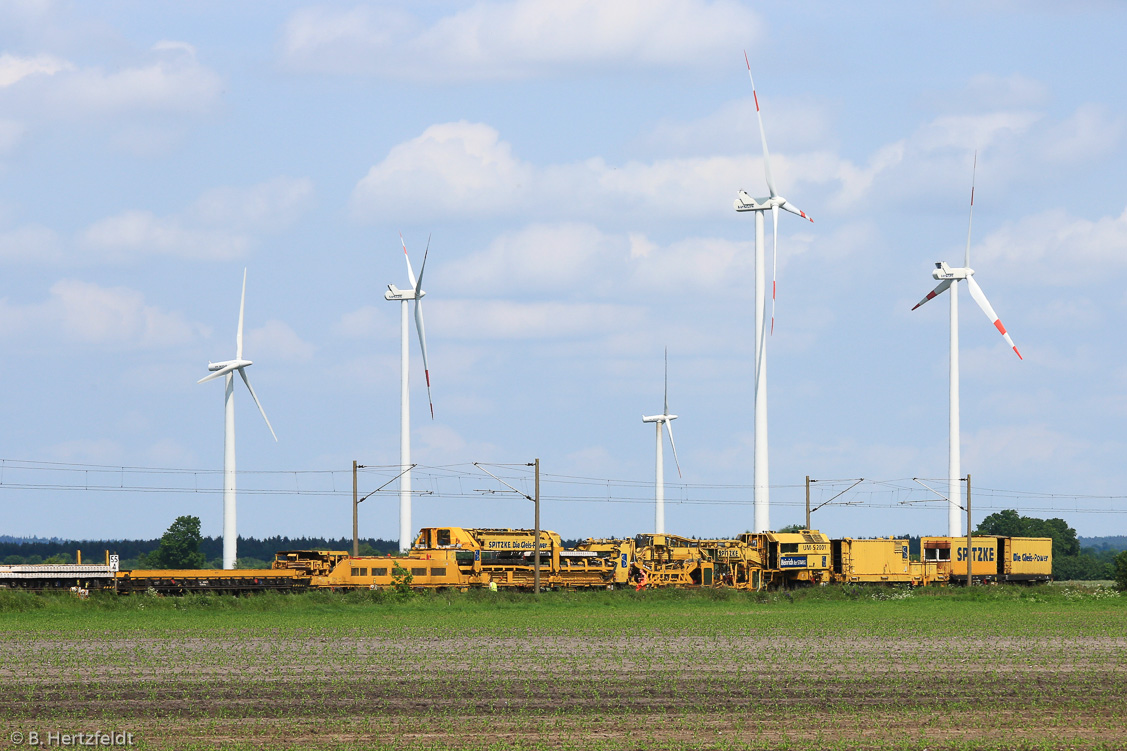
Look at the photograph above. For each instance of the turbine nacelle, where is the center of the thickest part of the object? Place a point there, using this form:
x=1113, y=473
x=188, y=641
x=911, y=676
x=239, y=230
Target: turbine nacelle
x=744, y=202
x=659, y=418
x=944, y=272
x=394, y=293
x=228, y=365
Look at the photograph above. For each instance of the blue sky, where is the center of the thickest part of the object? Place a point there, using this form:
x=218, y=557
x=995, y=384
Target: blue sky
x=575, y=164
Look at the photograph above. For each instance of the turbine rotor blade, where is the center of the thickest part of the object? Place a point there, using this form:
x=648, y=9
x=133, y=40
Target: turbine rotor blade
x=980, y=298
x=669, y=427
x=666, y=412
x=243, y=373
x=966, y=256
x=217, y=374
x=774, y=262
x=762, y=134
x=939, y=290
x=410, y=271
x=788, y=206
x=423, y=345
x=422, y=270
x=242, y=307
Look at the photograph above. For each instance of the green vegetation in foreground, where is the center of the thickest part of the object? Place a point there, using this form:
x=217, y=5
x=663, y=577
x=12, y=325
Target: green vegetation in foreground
x=24, y=610
x=617, y=671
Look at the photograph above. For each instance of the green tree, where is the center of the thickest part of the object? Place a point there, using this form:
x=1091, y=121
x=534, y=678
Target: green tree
x=1121, y=570
x=1003, y=524
x=1008, y=523
x=180, y=546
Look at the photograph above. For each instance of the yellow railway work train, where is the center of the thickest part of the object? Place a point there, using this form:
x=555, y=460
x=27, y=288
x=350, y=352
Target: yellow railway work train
x=460, y=558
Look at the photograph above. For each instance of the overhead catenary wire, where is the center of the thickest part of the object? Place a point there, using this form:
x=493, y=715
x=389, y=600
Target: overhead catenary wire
x=447, y=483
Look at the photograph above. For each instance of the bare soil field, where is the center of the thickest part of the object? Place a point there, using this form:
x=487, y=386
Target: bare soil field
x=655, y=674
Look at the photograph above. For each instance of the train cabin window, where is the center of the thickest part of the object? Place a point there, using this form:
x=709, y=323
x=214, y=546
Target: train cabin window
x=438, y=572
x=788, y=547
x=379, y=572
x=356, y=572
x=363, y=572
x=443, y=537
x=418, y=572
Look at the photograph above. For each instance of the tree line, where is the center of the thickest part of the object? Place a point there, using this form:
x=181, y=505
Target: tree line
x=181, y=546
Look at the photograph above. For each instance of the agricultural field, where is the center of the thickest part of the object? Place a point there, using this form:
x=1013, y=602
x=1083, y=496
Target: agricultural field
x=993, y=667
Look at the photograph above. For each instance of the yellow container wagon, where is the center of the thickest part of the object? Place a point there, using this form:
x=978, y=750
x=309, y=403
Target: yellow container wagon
x=1026, y=559
x=882, y=561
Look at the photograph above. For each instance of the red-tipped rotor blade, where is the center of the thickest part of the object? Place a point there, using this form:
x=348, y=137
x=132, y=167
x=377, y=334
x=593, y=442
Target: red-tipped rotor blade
x=762, y=133
x=980, y=298
x=940, y=289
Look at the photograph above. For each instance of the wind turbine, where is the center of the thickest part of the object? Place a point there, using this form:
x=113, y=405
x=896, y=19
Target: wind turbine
x=772, y=203
x=404, y=296
x=949, y=278
x=228, y=368
x=663, y=419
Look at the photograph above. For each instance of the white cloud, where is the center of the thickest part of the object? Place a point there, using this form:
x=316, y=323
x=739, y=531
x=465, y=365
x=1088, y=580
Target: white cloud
x=464, y=169
x=278, y=341
x=693, y=264
x=1056, y=248
x=106, y=316
x=579, y=261
x=140, y=233
x=116, y=315
x=142, y=106
x=220, y=225
x=1089, y=133
x=14, y=69
x=537, y=257
x=175, y=82
x=517, y=39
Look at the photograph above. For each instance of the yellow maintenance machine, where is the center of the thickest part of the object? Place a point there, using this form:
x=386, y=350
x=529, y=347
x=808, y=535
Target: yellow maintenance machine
x=455, y=557
x=792, y=559
x=672, y=561
x=507, y=557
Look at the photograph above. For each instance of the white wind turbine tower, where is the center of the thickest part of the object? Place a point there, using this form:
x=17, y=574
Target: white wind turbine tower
x=772, y=203
x=950, y=277
x=228, y=368
x=415, y=293
x=665, y=419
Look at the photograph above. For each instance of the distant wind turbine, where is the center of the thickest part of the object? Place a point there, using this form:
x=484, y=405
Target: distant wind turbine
x=950, y=278
x=415, y=293
x=773, y=202
x=665, y=419
x=228, y=368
